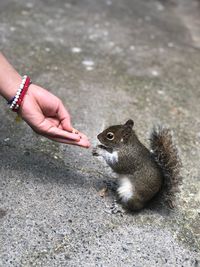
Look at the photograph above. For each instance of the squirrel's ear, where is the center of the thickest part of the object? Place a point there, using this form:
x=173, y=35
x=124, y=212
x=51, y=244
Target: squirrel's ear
x=127, y=130
x=129, y=123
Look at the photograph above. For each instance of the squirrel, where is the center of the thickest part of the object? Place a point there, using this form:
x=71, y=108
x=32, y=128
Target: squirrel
x=142, y=173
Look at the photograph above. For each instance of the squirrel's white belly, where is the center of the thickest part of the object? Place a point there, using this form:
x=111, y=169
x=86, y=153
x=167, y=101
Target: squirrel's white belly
x=125, y=189
x=111, y=158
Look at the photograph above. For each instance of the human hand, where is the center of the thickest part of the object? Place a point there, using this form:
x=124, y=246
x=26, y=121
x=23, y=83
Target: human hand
x=47, y=116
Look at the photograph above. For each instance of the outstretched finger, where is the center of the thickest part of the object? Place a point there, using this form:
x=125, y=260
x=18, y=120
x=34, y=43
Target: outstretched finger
x=59, y=133
x=82, y=142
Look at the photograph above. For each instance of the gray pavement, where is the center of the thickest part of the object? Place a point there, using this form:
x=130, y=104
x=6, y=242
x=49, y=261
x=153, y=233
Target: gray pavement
x=108, y=60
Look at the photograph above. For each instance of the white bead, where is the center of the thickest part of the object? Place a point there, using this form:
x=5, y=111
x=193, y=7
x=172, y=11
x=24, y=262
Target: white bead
x=14, y=104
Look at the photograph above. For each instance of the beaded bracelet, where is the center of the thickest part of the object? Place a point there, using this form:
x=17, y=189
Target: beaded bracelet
x=16, y=101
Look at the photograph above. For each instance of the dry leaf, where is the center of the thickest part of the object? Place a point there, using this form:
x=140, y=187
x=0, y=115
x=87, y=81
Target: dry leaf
x=103, y=192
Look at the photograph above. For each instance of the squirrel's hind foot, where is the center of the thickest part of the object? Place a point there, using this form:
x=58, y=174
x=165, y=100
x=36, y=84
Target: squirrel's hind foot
x=133, y=204
x=115, y=208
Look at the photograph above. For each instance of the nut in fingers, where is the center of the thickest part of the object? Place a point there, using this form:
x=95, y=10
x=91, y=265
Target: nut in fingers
x=75, y=131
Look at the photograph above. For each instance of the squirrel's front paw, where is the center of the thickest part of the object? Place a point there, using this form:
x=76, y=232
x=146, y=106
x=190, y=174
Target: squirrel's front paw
x=95, y=151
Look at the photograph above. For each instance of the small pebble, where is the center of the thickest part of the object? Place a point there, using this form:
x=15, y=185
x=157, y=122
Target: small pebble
x=47, y=49
x=160, y=7
x=155, y=73
x=12, y=29
x=76, y=50
x=89, y=68
x=88, y=62
x=160, y=92
x=132, y=47
x=170, y=44
x=109, y=2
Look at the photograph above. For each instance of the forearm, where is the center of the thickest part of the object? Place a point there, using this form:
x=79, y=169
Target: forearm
x=9, y=79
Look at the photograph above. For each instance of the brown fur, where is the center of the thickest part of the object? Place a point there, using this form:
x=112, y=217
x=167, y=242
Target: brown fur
x=148, y=172
x=166, y=155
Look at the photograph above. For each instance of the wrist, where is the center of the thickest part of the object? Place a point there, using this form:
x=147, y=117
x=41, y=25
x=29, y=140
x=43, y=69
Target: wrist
x=16, y=101
x=11, y=88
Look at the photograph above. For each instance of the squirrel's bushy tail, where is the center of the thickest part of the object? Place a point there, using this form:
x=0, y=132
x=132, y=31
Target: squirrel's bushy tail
x=166, y=155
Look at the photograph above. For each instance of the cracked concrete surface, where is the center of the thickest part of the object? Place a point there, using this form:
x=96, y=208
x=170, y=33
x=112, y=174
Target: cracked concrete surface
x=108, y=61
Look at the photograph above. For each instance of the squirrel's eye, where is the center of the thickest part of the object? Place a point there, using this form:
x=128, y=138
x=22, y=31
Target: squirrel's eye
x=110, y=136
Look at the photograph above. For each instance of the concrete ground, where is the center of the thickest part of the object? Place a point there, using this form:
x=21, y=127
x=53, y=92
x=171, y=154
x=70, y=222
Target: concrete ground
x=108, y=60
